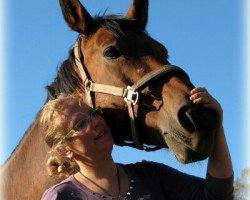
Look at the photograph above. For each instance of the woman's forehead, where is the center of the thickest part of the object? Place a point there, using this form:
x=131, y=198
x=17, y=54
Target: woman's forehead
x=72, y=107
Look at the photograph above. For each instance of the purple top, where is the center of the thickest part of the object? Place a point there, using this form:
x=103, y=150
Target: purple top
x=153, y=181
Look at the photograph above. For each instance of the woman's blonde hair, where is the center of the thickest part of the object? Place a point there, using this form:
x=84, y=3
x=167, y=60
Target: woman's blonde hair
x=53, y=123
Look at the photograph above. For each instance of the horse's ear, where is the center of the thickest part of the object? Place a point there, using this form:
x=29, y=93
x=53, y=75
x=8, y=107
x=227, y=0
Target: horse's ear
x=77, y=16
x=139, y=11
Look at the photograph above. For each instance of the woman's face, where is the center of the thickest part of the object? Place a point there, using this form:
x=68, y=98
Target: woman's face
x=92, y=137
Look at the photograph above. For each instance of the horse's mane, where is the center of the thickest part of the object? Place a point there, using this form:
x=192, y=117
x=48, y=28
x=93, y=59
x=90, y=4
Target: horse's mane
x=66, y=80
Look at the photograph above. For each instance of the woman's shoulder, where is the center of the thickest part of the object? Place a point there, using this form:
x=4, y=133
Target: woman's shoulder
x=66, y=189
x=144, y=166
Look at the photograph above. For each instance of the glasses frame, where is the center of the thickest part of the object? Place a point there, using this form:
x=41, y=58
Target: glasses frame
x=87, y=120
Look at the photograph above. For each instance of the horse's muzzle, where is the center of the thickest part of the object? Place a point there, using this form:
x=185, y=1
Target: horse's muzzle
x=199, y=124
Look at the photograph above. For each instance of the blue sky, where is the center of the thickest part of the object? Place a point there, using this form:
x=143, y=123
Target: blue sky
x=205, y=38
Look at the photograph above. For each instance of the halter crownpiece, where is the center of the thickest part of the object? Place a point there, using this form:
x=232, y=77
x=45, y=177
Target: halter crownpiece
x=130, y=94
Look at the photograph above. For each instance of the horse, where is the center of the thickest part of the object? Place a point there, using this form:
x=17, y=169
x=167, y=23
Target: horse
x=116, y=65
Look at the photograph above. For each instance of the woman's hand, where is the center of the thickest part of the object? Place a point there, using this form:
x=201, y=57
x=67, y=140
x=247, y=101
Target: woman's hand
x=200, y=95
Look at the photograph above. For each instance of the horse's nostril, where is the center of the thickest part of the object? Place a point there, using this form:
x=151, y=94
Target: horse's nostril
x=197, y=118
x=185, y=119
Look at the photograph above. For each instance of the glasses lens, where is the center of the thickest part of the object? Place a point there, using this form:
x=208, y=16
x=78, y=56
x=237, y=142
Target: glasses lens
x=82, y=124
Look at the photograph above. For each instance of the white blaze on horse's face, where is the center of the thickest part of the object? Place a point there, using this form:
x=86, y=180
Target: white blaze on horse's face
x=118, y=52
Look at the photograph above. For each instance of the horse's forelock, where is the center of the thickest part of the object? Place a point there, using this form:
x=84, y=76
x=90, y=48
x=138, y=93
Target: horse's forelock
x=119, y=26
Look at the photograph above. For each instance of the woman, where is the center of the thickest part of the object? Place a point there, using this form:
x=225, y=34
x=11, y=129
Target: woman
x=81, y=145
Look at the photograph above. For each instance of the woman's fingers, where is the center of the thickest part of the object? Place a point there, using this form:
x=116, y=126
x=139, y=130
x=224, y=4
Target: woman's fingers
x=201, y=99
x=198, y=89
x=200, y=95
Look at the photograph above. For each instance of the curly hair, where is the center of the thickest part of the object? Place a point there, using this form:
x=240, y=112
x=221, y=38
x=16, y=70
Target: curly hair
x=53, y=122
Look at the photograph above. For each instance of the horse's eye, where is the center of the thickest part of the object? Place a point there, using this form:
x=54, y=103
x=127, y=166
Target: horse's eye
x=111, y=52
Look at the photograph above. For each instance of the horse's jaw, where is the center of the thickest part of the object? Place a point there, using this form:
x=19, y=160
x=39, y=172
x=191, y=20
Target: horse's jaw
x=182, y=152
x=188, y=145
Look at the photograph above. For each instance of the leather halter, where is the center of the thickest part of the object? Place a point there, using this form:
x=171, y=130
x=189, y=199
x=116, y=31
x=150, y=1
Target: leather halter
x=130, y=94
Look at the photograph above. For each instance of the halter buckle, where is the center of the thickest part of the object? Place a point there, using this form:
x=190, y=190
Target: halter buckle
x=132, y=96
x=87, y=85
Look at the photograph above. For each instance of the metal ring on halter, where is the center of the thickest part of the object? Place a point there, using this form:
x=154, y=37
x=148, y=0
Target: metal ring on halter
x=87, y=85
x=132, y=96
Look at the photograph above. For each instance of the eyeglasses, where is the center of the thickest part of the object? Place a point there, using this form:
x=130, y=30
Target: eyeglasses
x=81, y=124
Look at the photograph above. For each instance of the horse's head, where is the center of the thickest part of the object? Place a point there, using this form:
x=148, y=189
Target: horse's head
x=118, y=52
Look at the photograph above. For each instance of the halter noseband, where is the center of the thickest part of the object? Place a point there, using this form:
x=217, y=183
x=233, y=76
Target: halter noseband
x=130, y=94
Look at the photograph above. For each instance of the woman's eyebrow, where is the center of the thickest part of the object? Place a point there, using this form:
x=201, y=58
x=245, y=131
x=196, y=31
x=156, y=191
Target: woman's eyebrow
x=76, y=117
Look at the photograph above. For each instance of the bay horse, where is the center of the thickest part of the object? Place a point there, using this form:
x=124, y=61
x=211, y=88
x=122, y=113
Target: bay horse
x=116, y=65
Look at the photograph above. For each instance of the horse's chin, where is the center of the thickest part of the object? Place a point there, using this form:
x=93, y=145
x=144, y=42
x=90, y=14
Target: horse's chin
x=192, y=157
x=182, y=152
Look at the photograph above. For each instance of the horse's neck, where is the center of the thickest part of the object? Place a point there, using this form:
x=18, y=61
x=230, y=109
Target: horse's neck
x=24, y=174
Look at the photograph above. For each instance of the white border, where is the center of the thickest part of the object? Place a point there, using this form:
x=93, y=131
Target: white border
x=247, y=83
x=247, y=77
x=2, y=87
